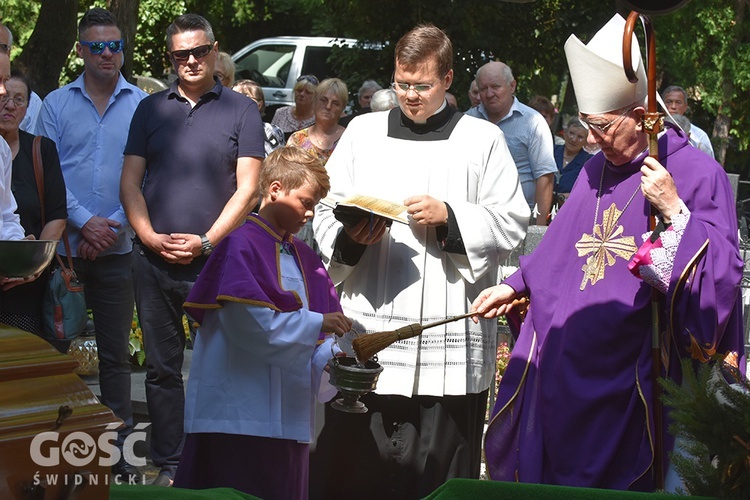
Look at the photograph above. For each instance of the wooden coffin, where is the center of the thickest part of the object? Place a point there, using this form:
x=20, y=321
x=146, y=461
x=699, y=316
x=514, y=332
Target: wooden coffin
x=39, y=393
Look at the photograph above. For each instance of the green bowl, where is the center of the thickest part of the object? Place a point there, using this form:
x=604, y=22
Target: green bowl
x=23, y=258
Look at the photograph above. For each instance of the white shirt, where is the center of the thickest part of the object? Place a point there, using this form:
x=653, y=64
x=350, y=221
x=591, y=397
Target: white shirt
x=701, y=139
x=529, y=141
x=28, y=124
x=10, y=222
x=256, y=371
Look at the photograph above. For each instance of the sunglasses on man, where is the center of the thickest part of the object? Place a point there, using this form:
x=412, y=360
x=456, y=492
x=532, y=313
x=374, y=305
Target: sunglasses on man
x=181, y=56
x=96, y=48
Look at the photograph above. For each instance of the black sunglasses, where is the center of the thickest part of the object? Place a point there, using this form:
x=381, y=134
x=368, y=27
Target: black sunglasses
x=197, y=52
x=5, y=48
x=97, y=48
x=309, y=78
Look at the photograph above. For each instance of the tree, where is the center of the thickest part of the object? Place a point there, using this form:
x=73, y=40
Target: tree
x=711, y=60
x=46, y=32
x=703, y=47
x=49, y=45
x=126, y=12
x=529, y=37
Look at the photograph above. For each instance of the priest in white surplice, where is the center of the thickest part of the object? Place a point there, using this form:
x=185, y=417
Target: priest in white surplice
x=467, y=212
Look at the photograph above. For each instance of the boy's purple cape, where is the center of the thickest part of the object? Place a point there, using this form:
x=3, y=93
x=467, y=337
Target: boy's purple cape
x=245, y=268
x=575, y=404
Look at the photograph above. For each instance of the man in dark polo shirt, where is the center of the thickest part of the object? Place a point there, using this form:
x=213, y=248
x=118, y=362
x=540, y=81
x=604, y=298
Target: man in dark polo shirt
x=199, y=147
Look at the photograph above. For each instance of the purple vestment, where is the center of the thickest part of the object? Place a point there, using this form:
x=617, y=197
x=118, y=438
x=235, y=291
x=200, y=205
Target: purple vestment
x=245, y=268
x=575, y=404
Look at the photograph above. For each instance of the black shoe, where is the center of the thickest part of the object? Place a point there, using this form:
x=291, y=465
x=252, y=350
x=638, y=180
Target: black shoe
x=162, y=480
x=125, y=473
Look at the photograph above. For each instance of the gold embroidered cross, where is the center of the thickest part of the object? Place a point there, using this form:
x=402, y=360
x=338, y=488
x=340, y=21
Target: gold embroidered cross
x=605, y=244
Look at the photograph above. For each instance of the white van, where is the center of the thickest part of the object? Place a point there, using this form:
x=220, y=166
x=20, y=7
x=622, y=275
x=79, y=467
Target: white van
x=276, y=63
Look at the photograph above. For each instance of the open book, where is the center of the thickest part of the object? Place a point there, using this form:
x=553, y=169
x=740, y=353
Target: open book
x=353, y=209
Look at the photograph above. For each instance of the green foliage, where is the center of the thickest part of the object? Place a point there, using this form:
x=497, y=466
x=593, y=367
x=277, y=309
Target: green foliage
x=711, y=56
x=149, y=53
x=717, y=433
x=20, y=16
x=704, y=46
x=528, y=37
x=243, y=12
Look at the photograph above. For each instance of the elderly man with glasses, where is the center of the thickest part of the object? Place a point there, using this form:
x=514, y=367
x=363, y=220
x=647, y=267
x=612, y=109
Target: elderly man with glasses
x=577, y=404
x=88, y=120
x=190, y=177
x=459, y=185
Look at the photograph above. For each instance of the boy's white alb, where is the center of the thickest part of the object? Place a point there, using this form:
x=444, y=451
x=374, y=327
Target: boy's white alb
x=597, y=72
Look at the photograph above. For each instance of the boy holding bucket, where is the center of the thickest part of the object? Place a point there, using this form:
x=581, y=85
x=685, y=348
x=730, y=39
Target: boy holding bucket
x=265, y=305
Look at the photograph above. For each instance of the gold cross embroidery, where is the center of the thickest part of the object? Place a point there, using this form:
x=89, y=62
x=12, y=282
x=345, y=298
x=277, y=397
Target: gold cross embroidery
x=605, y=244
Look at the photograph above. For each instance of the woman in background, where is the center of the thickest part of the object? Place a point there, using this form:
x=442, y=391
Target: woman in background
x=274, y=136
x=301, y=115
x=364, y=96
x=321, y=138
x=224, y=69
x=21, y=306
x=570, y=158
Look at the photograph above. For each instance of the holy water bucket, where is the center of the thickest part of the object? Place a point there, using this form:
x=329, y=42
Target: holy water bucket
x=353, y=380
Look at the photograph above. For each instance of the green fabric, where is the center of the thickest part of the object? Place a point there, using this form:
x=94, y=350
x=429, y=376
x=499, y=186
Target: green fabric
x=455, y=489
x=471, y=489
x=141, y=492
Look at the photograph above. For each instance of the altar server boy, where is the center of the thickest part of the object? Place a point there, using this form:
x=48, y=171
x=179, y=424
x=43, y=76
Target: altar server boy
x=266, y=309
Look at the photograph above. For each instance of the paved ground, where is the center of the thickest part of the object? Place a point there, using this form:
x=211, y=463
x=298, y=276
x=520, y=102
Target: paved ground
x=140, y=410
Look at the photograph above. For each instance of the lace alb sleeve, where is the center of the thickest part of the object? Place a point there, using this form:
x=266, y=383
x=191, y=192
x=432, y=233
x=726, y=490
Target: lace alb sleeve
x=654, y=261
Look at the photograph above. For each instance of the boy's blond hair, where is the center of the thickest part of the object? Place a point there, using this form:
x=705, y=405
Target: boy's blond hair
x=293, y=167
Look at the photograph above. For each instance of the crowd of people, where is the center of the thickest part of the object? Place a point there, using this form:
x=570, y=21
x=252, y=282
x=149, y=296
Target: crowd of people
x=186, y=201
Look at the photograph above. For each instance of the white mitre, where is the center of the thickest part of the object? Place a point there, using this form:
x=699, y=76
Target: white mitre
x=597, y=70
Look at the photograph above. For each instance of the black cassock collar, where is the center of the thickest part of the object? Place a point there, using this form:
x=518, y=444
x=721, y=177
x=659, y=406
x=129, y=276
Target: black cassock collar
x=437, y=128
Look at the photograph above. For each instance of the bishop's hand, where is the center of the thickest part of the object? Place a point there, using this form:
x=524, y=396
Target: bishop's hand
x=659, y=189
x=493, y=302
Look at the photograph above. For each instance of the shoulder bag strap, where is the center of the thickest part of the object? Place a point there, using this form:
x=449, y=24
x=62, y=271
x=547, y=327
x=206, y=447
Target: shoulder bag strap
x=67, y=251
x=39, y=175
x=39, y=172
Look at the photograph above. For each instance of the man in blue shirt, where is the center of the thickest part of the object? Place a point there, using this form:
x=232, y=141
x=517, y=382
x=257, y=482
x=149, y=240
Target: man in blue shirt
x=526, y=132
x=189, y=178
x=88, y=120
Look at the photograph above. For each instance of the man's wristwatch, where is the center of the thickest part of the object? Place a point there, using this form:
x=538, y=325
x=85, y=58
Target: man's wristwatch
x=206, y=246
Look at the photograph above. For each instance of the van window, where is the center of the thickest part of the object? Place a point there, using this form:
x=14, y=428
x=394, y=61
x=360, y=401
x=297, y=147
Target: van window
x=267, y=65
x=316, y=63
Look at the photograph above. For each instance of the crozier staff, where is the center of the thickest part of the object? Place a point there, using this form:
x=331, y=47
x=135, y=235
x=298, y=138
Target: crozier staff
x=575, y=407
